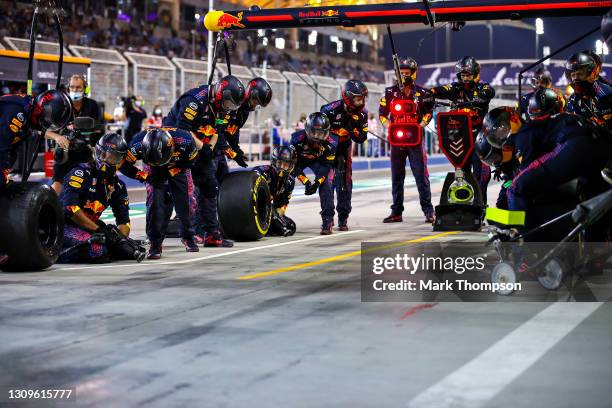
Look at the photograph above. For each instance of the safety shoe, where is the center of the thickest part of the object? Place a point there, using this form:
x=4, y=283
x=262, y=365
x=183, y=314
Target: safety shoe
x=3, y=258
x=155, y=252
x=190, y=245
x=215, y=240
x=430, y=219
x=326, y=229
x=198, y=239
x=393, y=218
x=343, y=227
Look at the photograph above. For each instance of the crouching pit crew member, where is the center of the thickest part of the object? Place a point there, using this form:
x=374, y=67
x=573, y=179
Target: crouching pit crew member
x=200, y=110
x=316, y=149
x=551, y=149
x=167, y=153
x=89, y=188
x=417, y=155
x=281, y=183
x=473, y=96
x=20, y=115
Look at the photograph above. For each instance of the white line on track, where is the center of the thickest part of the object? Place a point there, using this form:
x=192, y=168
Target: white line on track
x=478, y=381
x=184, y=261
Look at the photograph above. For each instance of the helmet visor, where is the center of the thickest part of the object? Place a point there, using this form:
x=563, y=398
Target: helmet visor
x=317, y=134
x=497, y=134
x=579, y=74
x=466, y=76
x=112, y=157
x=285, y=165
x=540, y=82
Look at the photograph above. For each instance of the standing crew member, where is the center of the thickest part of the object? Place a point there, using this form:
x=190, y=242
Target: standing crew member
x=592, y=98
x=417, y=155
x=349, y=122
x=169, y=153
x=281, y=182
x=199, y=110
x=82, y=106
x=89, y=189
x=473, y=96
x=20, y=115
x=316, y=149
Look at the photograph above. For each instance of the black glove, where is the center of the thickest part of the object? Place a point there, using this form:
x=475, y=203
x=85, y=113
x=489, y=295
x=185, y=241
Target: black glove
x=311, y=188
x=241, y=160
x=107, y=231
x=498, y=174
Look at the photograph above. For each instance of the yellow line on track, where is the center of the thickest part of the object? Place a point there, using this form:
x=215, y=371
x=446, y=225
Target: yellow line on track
x=340, y=257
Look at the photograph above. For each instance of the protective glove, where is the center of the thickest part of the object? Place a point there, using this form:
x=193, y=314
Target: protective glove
x=497, y=174
x=311, y=187
x=107, y=231
x=241, y=160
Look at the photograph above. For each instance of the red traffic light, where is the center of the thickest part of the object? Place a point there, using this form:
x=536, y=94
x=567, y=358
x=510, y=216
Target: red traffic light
x=403, y=107
x=405, y=134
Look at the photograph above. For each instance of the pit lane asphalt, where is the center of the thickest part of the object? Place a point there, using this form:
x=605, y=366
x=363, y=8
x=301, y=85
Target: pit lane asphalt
x=186, y=331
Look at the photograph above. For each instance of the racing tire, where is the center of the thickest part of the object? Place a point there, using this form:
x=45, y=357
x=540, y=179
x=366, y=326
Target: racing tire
x=31, y=227
x=245, y=206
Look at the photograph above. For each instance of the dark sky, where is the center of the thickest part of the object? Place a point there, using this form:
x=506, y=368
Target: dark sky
x=508, y=42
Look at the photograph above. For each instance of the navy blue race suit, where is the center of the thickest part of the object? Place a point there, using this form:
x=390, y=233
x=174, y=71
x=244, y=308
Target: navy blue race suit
x=281, y=186
x=14, y=129
x=85, y=189
x=476, y=98
x=347, y=127
x=554, y=152
x=165, y=182
x=320, y=158
x=193, y=111
x=230, y=130
x=417, y=155
x=595, y=105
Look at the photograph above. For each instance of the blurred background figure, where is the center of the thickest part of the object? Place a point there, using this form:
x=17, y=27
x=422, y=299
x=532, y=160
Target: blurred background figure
x=373, y=142
x=156, y=119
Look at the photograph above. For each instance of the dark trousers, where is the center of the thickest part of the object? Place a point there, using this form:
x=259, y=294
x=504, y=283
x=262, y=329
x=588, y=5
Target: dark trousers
x=207, y=191
x=161, y=196
x=417, y=157
x=75, y=236
x=326, y=194
x=222, y=167
x=343, y=181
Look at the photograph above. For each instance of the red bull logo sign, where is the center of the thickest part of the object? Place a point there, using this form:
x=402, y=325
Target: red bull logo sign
x=220, y=20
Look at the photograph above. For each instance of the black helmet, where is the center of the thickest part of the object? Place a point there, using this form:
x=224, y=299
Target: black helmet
x=258, y=93
x=157, y=147
x=545, y=103
x=110, y=152
x=284, y=158
x=408, y=64
x=542, y=78
x=228, y=93
x=497, y=125
x=354, y=94
x=52, y=110
x=581, y=71
x=606, y=28
x=487, y=153
x=468, y=65
x=317, y=127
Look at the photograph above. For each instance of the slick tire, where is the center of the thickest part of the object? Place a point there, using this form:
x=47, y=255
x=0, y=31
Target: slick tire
x=245, y=209
x=31, y=228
